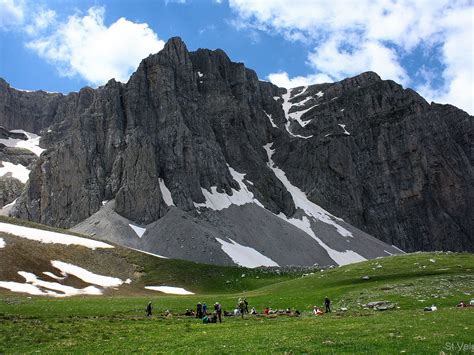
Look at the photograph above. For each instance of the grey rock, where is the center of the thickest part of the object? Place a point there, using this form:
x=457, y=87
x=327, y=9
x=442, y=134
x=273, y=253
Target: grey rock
x=400, y=169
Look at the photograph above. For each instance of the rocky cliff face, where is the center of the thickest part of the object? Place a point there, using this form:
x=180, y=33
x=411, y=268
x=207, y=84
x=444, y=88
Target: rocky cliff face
x=187, y=125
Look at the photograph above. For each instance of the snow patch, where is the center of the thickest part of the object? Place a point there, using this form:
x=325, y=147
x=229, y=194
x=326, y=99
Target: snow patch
x=33, y=285
x=220, y=200
x=343, y=126
x=314, y=211
x=50, y=274
x=340, y=257
x=200, y=74
x=17, y=171
x=388, y=253
x=319, y=94
x=286, y=106
x=2, y=243
x=146, y=252
x=54, y=286
x=300, y=199
x=31, y=144
x=302, y=102
x=300, y=93
x=138, y=230
x=297, y=116
x=24, y=288
x=276, y=98
x=5, y=210
x=245, y=256
x=400, y=250
x=86, y=276
x=342, y=109
x=165, y=193
x=270, y=118
x=170, y=290
x=48, y=237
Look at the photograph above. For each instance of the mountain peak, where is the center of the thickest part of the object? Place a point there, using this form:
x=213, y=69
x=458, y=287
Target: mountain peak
x=175, y=44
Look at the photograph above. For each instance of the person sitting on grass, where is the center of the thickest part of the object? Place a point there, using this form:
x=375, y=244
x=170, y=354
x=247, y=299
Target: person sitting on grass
x=317, y=311
x=189, y=312
x=253, y=311
x=213, y=319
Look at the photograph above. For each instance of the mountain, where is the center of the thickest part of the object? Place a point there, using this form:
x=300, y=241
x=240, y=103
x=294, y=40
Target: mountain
x=195, y=158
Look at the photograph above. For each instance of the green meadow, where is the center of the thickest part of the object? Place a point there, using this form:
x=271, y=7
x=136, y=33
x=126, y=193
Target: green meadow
x=117, y=324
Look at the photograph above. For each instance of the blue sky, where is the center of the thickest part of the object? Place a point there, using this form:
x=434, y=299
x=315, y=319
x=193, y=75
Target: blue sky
x=65, y=45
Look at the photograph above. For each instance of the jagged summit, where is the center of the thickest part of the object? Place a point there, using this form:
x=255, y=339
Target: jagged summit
x=198, y=151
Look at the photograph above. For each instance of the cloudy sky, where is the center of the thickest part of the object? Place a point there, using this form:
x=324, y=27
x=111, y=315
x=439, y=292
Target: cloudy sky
x=65, y=45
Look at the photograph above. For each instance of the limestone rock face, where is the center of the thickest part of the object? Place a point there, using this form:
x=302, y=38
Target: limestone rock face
x=364, y=149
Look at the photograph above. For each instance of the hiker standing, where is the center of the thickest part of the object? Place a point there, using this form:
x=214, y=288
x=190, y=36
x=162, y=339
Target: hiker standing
x=218, y=310
x=204, y=309
x=246, y=305
x=199, y=310
x=241, y=307
x=327, y=304
x=149, y=308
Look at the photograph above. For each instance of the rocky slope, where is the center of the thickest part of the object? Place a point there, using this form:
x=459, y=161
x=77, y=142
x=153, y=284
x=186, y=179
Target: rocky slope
x=193, y=134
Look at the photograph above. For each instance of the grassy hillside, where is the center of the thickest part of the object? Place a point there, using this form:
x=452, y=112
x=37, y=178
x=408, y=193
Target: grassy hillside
x=117, y=323
x=22, y=254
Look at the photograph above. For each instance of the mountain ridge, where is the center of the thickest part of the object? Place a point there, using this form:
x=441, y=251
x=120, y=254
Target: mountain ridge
x=186, y=117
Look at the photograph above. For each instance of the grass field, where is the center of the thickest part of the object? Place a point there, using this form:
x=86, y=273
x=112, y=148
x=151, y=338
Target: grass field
x=118, y=325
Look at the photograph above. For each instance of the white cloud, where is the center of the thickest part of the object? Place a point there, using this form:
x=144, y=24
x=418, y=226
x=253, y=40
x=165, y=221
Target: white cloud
x=282, y=79
x=332, y=60
x=85, y=46
x=12, y=13
x=353, y=36
x=175, y=2
x=42, y=19
x=457, y=55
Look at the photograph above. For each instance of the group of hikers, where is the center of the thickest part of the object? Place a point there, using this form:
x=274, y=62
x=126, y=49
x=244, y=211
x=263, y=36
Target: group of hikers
x=242, y=307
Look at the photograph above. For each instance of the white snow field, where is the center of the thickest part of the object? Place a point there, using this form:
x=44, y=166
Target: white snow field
x=170, y=290
x=50, y=274
x=32, y=143
x=44, y=236
x=138, y=230
x=314, y=211
x=270, y=118
x=165, y=192
x=287, y=105
x=245, y=256
x=86, y=276
x=18, y=171
x=146, y=252
x=219, y=200
x=66, y=291
x=34, y=286
x=5, y=210
x=343, y=126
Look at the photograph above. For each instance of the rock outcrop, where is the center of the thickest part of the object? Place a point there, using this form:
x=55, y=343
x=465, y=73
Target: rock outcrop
x=188, y=125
